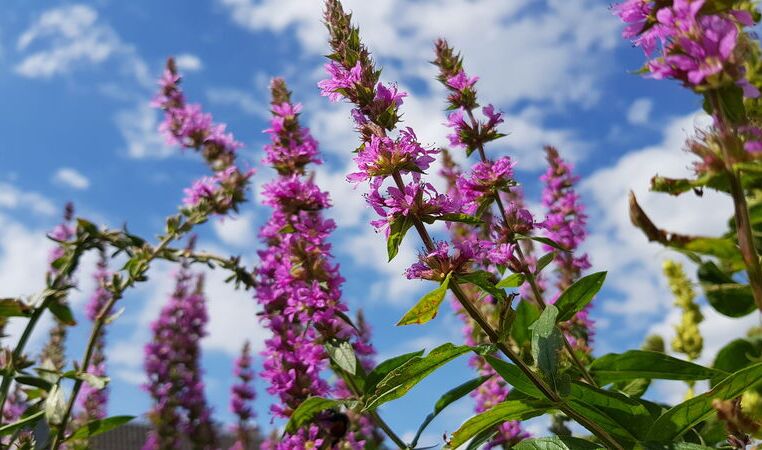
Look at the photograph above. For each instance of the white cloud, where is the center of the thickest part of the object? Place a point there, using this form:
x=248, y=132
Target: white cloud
x=188, y=62
x=639, y=112
x=139, y=128
x=236, y=231
x=11, y=198
x=239, y=98
x=71, y=178
x=553, y=65
x=640, y=294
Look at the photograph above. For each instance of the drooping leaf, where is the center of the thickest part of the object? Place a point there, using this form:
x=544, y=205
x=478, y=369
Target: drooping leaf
x=511, y=281
x=513, y=375
x=677, y=186
x=427, y=307
x=26, y=421
x=400, y=380
x=55, y=406
x=342, y=354
x=460, y=217
x=93, y=380
x=578, y=295
x=445, y=400
x=543, y=240
x=502, y=412
x=724, y=294
x=526, y=314
x=96, y=427
x=556, y=443
x=307, y=411
x=679, y=419
x=485, y=281
x=635, y=364
x=544, y=261
x=13, y=307
x=546, y=344
x=381, y=370
x=397, y=231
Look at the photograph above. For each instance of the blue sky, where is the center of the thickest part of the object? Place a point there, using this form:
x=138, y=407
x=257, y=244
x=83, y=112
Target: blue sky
x=76, y=78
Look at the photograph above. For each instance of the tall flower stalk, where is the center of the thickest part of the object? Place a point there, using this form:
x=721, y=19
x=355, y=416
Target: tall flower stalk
x=241, y=398
x=172, y=364
x=406, y=204
x=299, y=286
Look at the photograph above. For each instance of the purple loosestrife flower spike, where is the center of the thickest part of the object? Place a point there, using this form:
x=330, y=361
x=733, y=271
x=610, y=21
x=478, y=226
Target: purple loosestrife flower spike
x=565, y=223
x=188, y=126
x=299, y=287
x=172, y=364
x=53, y=354
x=241, y=398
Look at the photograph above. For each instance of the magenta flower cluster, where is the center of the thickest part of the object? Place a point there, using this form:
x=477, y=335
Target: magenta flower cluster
x=242, y=397
x=172, y=365
x=686, y=43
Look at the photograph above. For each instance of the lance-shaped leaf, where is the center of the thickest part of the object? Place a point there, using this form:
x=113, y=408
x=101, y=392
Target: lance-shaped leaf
x=96, y=427
x=511, y=281
x=512, y=374
x=55, y=406
x=486, y=281
x=502, y=412
x=445, y=400
x=398, y=228
x=307, y=411
x=543, y=240
x=342, y=354
x=546, y=343
x=556, y=443
x=62, y=312
x=427, y=307
x=738, y=354
x=636, y=364
x=459, y=217
x=383, y=369
x=677, y=186
x=401, y=379
x=526, y=314
x=24, y=422
x=690, y=413
x=578, y=295
x=544, y=261
x=13, y=307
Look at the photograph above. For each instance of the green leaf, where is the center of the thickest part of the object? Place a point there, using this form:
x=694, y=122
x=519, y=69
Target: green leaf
x=11, y=428
x=633, y=388
x=526, y=314
x=427, y=307
x=544, y=261
x=724, y=294
x=738, y=354
x=635, y=364
x=623, y=416
x=677, y=186
x=690, y=413
x=502, y=412
x=381, y=370
x=445, y=400
x=397, y=230
x=13, y=307
x=93, y=380
x=34, y=381
x=55, y=406
x=460, y=217
x=556, y=443
x=731, y=103
x=342, y=354
x=307, y=411
x=578, y=295
x=96, y=427
x=511, y=281
x=546, y=343
x=722, y=248
x=481, y=438
x=400, y=380
x=483, y=280
x=62, y=312
x=512, y=374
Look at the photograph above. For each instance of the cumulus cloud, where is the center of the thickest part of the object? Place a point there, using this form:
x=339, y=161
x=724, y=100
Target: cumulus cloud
x=72, y=178
x=12, y=197
x=237, y=231
x=639, y=112
x=65, y=38
x=188, y=62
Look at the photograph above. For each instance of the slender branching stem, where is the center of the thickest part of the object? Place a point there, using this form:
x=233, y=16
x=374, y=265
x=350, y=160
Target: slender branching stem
x=729, y=143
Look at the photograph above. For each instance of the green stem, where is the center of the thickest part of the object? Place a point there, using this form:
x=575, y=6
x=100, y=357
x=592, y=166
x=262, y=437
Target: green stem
x=743, y=223
x=100, y=321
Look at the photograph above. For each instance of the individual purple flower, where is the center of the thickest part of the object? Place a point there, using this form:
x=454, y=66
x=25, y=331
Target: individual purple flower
x=172, y=365
x=447, y=258
x=382, y=157
x=341, y=79
x=484, y=182
x=416, y=199
x=461, y=81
